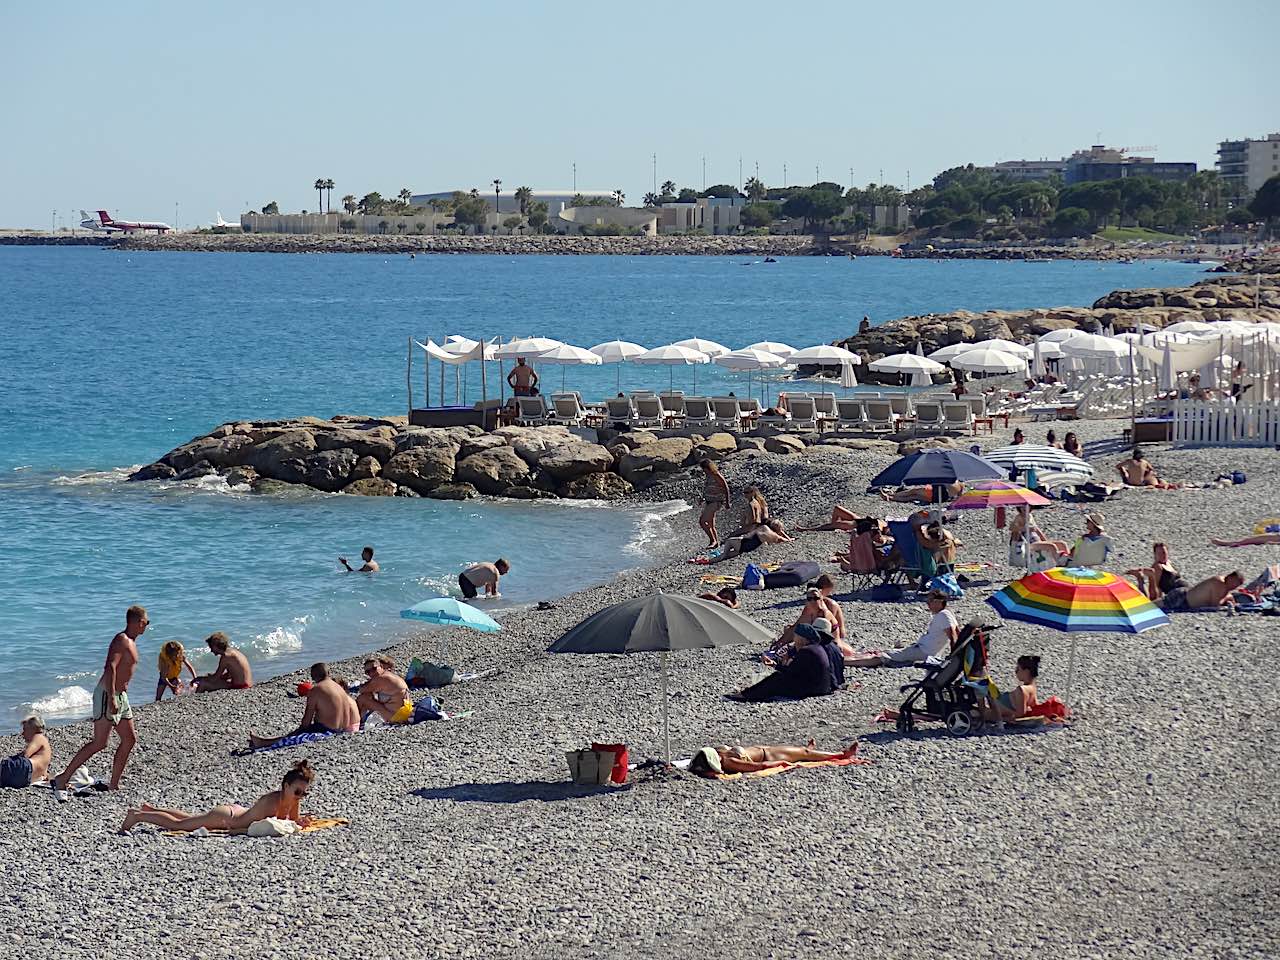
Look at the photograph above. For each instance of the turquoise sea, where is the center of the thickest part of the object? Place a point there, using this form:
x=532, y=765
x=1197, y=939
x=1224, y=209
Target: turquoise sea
x=108, y=359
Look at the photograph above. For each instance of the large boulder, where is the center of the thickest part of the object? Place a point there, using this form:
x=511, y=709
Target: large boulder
x=379, y=443
x=784, y=443
x=450, y=438
x=329, y=470
x=644, y=465
x=477, y=444
x=716, y=447
x=573, y=460
x=201, y=468
x=750, y=443
x=597, y=486
x=421, y=469
x=154, y=471
x=221, y=451
x=521, y=492
x=532, y=442
x=636, y=438
x=280, y=458
x=366, y=468
x=371, y=487
x=492, y=471
x=241, y=477
x=454, y=491
x=908, y=447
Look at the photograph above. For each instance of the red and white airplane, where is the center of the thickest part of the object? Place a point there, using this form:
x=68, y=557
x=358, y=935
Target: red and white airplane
x=131, y=226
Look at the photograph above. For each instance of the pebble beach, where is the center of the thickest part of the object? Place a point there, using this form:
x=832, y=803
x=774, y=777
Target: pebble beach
x=1144, y=829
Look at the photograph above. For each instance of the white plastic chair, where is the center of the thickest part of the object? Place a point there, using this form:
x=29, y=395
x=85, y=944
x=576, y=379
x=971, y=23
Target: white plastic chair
x=804, y=416
x=725, y=412
x=878, y=416
x=648, y=411
x=619, y=410
x=567, y=409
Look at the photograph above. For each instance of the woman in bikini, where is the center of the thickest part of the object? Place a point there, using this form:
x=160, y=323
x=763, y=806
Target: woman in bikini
x=1159, y=578
x=283, y=804
x=715, y=497
x=770, y=532
x=750, y=759
x=1016, y=703
x=754, y=511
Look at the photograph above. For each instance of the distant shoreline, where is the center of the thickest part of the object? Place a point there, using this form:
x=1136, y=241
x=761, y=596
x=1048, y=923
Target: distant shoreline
x=727, y=246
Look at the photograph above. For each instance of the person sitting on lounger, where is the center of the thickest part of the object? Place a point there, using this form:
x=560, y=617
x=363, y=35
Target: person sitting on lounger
x=1212, y=592
x=1260, y=540
x=283, y=804
x=1137, y=471
x=939, y=635
x=807, y=673
x=32, y=764
x=329, y=709
x=770, y=532
x=1094, y=546
x=384, y=693
x=924, y=494
x=233, y=671
x=709, y=761
x=726, y=595
x=1018, y=702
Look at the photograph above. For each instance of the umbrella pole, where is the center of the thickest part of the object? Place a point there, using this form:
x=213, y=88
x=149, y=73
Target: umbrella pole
x=1071, y=669
x=666, y=721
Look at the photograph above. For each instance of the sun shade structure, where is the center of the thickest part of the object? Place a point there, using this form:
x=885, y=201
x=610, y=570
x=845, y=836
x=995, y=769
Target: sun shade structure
x=1008, y=346
x=567, y=355
x=1093, y=345
x=1078, y=600
x=824, y=353
x=709, y=347
x=997, y=493
x=673, y=355
x=988, y=360
x=772, y=346
x=1033, y=456
x=750, y=359
x=943, y=354
x=662, y=623
x=906, y=363
x=937, y=467
x=529, y=348
x=448, y=612
x=619, y=352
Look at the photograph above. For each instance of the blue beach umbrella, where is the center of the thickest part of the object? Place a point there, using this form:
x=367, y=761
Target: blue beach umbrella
x=448, y=612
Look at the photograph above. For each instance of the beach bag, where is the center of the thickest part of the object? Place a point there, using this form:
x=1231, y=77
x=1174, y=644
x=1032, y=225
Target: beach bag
x=422, y=673
x=792, y=574
x=619, y=750
x=886, y=593
x=948, y=584
x=1237, y=476
x=428, y=708
x=752, y=578
x=590, y=767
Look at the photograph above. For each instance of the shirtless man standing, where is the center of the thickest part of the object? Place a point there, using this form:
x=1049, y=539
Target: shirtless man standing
x=111, y=708
x=232, y=672
x=522, y=379
x=32, y=764
x=384, y=693
x=329, y=709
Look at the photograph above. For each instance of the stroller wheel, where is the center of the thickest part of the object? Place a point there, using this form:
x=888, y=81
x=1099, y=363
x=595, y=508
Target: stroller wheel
x=959, y=722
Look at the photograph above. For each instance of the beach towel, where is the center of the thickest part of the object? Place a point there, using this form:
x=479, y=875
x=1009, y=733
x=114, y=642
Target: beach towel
x=296, y=740
x=782, y=767
x=316, y=824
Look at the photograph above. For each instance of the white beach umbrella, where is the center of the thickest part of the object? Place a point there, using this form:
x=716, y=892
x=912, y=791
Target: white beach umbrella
x=773, y=346
x=529, y=348
x=617, y=352
x=673, y=355
x=709, y=347
x=824, y=353
x=906, y=363
x=848, y=378
x=988, y=360
x=1025, y=456
x=1008, y=346
x=943, y=354
x=1058, y=336
x=1189, y=326
x=749, y=360
x=1094, y=345
x=567, y=355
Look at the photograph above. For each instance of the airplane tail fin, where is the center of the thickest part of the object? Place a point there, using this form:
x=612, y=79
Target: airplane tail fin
x=104, y=217
x=83, y=215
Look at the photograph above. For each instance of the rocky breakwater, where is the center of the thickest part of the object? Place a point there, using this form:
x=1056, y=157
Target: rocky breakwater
x=383, y=457
x=1218, y=298
x=497, y=245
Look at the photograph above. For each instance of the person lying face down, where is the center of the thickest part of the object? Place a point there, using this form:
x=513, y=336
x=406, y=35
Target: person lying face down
x=284, y=804
x=710, y=761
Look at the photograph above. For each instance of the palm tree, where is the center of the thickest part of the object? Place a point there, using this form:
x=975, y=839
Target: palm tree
x=328, y=185
x=618, y=197
x=651, y=199
x=318, y=187
x=668, y=188
x=497, y=189
x=349, y=203
x=524, y=197
x=404, y=196
x=756, y=190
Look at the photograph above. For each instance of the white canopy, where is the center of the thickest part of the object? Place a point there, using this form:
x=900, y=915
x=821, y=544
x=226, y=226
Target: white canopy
x=437, y=352
x=906, y=363
x=1178, y=357
x=1093, y=345
x=1008, y=346
x=709, y=347
x=617, y=351
x=1189, y=326
x=528, y=348
x=824, y=353
x=569, y=355
x=749, y=359
x=672, y=354
x=989, y=360
x=773, y=346
x=1059, y=336
x=943, y=354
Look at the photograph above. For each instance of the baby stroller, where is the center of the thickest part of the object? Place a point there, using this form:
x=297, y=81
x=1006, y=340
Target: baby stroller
x=948, y=688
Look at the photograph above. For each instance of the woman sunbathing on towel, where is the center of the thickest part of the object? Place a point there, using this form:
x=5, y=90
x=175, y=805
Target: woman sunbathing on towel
x=770, y=531
x=1159, y=578
x=842, y=518
x=282, y=804
x=1259, y=541
x=923, y=494
x=725, y=759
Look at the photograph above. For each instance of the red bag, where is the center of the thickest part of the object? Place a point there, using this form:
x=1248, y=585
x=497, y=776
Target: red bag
x=619, y=751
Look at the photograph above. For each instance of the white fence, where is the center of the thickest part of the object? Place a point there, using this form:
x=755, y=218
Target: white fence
x=1223, y=423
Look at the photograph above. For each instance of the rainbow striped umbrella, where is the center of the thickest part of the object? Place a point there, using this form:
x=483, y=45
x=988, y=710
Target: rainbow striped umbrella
x=998, y=493
x=1078, y=600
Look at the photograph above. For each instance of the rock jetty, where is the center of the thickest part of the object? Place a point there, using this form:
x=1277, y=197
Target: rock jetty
x=1218, y=298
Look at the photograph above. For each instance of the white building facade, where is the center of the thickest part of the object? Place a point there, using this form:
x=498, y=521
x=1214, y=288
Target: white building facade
x=1245, y=165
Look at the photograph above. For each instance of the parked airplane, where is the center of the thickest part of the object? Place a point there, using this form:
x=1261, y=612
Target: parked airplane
x=223, y=224
x=91, y=223
x=132, y=226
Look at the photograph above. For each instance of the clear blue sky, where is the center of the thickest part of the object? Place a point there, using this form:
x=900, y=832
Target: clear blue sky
x=134, y=106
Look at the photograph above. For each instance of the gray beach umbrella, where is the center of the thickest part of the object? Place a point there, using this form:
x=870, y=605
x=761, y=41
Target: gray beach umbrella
x=661, y=624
